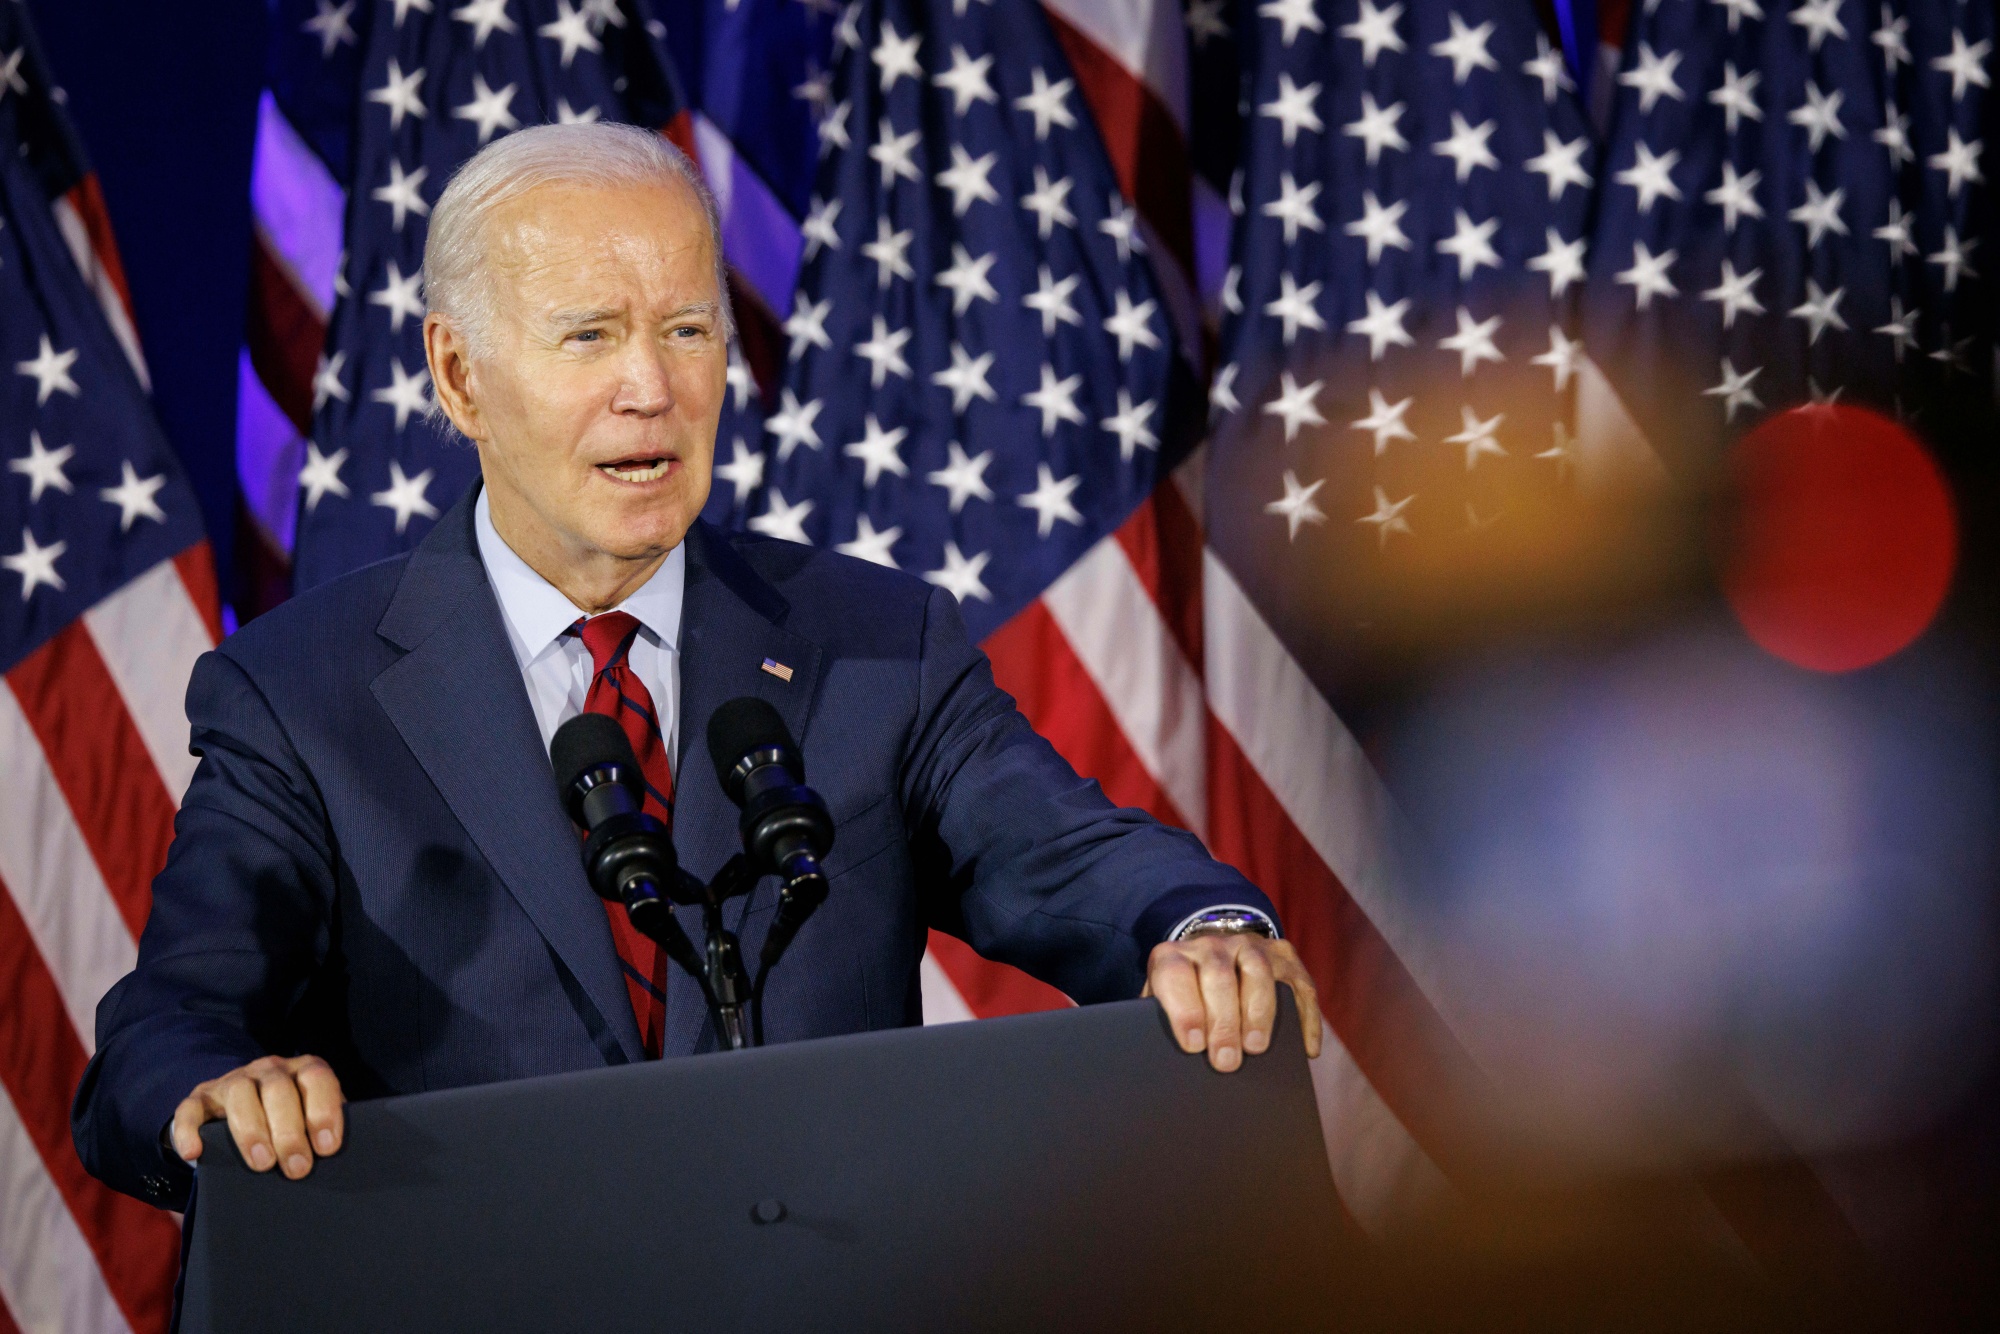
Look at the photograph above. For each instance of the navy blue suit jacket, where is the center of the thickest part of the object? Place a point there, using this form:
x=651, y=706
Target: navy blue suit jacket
x=372, y=864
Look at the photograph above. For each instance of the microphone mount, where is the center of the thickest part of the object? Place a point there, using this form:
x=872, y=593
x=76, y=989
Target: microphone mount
x=629, y=858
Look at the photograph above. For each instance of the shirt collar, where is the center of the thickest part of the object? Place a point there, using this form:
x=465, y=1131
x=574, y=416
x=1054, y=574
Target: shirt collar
x=537, y=613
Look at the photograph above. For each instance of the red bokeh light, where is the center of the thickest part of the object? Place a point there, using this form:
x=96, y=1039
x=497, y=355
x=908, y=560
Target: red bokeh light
x=1844, y=540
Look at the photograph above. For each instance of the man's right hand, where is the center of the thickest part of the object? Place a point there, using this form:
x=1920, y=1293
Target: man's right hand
x=281, y=1111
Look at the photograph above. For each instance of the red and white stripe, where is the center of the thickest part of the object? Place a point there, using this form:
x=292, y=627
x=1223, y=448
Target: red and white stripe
x=92, y=773
x=93, y=760
x=49, y=1279
x=85, y=225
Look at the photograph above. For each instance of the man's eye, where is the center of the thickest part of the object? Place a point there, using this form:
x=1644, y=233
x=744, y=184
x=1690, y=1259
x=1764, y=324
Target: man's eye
x=588, y=336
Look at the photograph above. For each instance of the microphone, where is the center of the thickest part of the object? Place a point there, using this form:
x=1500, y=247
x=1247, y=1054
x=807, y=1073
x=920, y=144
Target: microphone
x=785, y=825
x=786, y=828
x=628, y=855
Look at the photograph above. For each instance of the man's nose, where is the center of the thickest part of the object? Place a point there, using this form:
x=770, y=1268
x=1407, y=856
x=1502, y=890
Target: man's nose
x=645, y=387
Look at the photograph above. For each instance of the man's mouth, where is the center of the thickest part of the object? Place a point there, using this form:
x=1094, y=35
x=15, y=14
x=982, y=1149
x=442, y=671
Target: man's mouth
x=648, y=468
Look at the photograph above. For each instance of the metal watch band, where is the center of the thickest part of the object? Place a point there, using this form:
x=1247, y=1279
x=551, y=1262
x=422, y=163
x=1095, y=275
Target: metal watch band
x=1229, y=919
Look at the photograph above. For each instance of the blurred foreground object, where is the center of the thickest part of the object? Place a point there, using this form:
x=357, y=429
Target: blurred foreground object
x=1664, y=666
x=1719, y=934
x=1843, y=541
x=1681, y=880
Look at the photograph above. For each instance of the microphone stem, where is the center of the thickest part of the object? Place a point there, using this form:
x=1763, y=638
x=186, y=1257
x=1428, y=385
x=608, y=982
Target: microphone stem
x=726, y=984
x=757, y=1005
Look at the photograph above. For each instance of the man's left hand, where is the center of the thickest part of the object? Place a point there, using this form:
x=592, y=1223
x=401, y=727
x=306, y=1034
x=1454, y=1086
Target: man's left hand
x=1220, y=993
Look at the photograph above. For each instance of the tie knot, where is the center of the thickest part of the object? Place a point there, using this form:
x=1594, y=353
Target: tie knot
x=607, y=637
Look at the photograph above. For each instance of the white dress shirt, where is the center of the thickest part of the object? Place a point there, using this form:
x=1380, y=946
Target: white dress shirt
x=556, y=667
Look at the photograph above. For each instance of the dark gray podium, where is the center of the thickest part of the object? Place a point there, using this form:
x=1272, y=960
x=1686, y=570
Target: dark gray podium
x=1061, y=1171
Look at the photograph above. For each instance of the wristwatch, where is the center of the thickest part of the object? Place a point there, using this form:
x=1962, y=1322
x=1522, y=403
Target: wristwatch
x=1229, y=919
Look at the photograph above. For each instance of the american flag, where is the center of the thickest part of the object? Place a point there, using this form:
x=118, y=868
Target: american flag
x=1800, y=196
x=107, y=596
x=982, y=381
x=1450, y=298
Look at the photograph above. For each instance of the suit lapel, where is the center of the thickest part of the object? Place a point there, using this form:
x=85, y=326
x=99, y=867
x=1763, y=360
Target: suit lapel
x=732, y=622
x=457, y=698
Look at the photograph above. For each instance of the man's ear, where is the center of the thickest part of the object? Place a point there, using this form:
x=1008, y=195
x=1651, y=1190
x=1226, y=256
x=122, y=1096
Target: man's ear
x=451, y=375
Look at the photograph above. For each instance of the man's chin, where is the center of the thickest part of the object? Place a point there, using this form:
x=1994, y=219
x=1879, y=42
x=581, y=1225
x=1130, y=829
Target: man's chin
x=629, y=546
x=660, y=527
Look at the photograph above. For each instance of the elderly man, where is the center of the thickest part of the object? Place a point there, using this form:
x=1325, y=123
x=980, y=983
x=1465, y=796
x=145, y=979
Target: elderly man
x=373, y=888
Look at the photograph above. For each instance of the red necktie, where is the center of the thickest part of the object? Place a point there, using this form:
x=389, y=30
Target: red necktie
x=617, y=692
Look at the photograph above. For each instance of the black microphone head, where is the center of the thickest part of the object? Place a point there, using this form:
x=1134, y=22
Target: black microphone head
x=741, y=726
x=590, y=741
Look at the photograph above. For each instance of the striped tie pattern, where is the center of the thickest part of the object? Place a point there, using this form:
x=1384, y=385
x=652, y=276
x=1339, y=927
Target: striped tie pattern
x=617, y=692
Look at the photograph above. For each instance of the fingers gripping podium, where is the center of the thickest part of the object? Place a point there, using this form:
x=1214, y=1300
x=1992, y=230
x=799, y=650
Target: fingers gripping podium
x=1072, y=1170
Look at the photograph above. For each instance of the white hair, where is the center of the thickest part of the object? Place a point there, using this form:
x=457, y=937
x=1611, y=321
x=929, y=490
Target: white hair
x=457, y=280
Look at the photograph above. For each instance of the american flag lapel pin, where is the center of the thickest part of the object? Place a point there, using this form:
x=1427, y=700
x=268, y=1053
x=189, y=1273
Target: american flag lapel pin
x=777, y=669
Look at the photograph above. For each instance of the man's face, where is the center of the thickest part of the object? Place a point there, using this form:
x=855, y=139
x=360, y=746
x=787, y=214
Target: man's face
x=595, y=407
